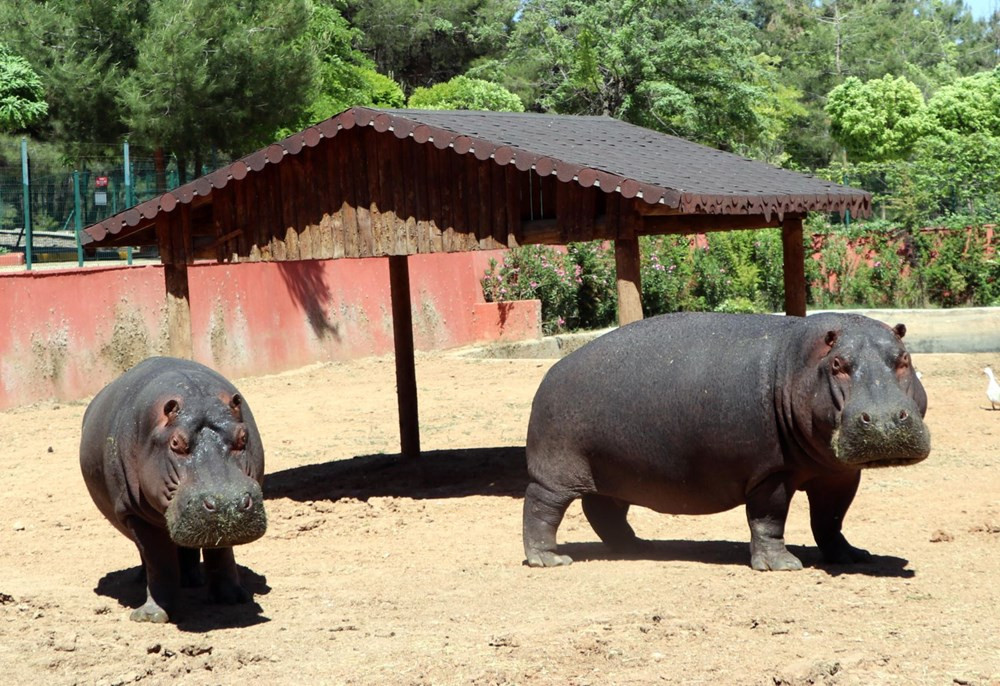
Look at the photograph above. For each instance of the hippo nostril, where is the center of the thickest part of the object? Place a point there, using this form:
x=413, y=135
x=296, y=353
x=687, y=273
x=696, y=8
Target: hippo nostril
x=903, y=415
x=247, y=502
x=209, y=503
x=866, y=418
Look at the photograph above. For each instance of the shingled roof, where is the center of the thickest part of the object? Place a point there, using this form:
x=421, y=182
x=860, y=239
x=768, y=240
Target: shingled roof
x=683, y=177
x=636, y=161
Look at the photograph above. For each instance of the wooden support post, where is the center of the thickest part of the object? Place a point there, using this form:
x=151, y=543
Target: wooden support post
x=629, y=284
x=178, y=310
x=795, y=267
x=406, y=377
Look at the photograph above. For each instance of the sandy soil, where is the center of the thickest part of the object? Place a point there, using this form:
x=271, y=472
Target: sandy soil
x=375, y=571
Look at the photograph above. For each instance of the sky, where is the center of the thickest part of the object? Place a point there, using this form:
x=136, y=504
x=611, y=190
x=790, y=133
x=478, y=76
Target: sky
x=981, y=9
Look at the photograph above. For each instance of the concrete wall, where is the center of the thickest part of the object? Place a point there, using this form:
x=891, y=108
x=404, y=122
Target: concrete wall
x=959, y=330
x=65, y=333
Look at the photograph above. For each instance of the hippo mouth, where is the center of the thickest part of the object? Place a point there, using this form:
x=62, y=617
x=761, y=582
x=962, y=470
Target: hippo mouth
x=886, y=446
x=217, y=519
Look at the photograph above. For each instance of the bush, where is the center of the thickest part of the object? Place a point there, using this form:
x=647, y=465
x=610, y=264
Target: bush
x=868, y=264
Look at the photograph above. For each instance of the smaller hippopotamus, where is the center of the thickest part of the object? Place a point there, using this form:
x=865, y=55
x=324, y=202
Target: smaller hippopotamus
x=172, y=457
x=697, y=413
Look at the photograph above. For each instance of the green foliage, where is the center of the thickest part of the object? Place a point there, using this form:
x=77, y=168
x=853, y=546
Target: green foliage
x=422, y=42
x=969, y=105
x=81, y=51
x=464, y=93
x=346, y=77
x=879, y=119
x=681, y=66
x=872, y=265
x=820, y=44
x=218, y=74
x=576, y=288
x=22, y=99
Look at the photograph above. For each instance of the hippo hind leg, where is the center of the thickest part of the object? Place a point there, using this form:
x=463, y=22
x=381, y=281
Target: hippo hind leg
x=223, y=577
x=189, y=560
x=543, y=512
x=607, y=516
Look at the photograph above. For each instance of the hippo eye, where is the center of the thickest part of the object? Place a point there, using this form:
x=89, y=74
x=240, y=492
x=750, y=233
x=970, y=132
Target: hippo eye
x=839, y=366
x=903, y=361
x=240, y=439
x=178, y=444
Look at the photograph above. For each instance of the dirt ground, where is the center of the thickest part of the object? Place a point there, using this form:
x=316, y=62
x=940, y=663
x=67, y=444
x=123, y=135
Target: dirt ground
x=377, y=571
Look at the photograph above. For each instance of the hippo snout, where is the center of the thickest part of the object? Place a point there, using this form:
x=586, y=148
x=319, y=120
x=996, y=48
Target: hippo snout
x=876, y=436
x=217, y=517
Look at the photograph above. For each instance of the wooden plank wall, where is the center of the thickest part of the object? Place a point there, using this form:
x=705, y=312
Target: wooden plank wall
x=364, y=194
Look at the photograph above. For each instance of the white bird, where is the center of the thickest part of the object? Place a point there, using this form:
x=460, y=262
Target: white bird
x=993, y=389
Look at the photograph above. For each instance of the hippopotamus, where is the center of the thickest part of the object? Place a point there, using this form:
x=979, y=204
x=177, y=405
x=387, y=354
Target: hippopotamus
x=172, y=457
x=696, y=413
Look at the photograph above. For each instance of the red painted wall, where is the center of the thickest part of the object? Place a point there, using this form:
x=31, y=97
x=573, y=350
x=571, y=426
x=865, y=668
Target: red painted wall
x=66, y=333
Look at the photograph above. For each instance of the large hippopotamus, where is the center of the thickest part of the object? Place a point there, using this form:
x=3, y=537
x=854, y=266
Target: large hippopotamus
x=172, y=457
x=697, y=413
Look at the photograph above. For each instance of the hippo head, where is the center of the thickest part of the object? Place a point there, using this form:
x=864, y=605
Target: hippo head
x=869, y=403
x=204, y=471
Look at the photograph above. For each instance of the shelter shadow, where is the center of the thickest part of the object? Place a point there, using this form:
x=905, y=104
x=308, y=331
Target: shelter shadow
x=194, y=612
x=306, y=283
x=435, y=474
x=734, y=554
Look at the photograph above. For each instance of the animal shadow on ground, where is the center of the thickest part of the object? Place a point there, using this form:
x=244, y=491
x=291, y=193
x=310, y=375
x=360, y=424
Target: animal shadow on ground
x=435, y=474
x=731, y=553
x=503, y=472
x=194, y=612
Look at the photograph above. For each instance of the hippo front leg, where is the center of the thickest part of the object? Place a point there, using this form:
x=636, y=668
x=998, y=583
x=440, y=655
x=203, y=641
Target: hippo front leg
x=829, y=499
x=767, y=510
x=223, y=577
x=160, y=560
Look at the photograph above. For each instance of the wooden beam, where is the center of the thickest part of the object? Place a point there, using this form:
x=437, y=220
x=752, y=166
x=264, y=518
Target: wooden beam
x=657, y=210
x=178, y=310
x=795, y=267
x=704, y=223
x=406, y=377
x=629, y=283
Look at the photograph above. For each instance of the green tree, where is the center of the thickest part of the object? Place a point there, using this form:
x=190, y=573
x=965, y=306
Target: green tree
x=685, y=67
x=423, y=42
x=879, y=119
x=464, y=93
x=346, y=76
x=969, y=105
x=22, y=98
x=81, y=51
x=820, y=44
x=211, y=74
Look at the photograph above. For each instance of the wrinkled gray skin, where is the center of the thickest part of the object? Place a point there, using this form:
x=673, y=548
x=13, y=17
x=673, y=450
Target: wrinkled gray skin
x=699, y=413
x=172, y=457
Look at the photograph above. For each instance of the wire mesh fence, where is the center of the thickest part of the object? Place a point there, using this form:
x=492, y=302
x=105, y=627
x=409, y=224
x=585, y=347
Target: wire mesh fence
x=56, y=197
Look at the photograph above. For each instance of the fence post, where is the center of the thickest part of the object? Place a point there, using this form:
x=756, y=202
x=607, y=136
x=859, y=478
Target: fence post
x=129, y=202
x=77, y=219
x=27, y=204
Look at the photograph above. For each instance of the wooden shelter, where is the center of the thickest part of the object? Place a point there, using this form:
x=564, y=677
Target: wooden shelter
x=393, y=183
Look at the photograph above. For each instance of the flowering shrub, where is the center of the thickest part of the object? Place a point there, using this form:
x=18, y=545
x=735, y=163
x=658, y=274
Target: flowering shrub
x=576, y=287
x=742, y=271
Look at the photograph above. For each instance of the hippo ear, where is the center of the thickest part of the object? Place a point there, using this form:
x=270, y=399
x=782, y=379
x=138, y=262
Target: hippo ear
x=831, y=337
x=900, y=330
x=170, y=409
x=235, y=405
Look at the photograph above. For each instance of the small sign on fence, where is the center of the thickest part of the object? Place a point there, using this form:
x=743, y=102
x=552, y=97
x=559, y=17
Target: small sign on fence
x=101, y=192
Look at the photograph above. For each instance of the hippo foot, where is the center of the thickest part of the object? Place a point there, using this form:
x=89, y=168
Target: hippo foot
x=546, y=558
x=774, y=560
x=150, y=612
x=227, y=592
x=845, y=554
